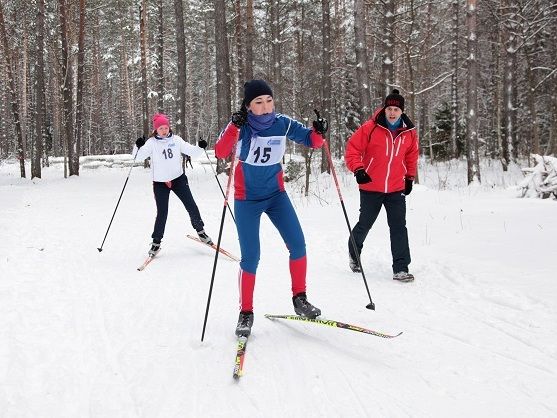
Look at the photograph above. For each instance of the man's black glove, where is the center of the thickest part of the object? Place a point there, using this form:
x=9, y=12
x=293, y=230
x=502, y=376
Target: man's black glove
x=408, y=186
x=202, y=143
x=361, y=176
x=139, y=142
x=321, y=125
x=240, y=118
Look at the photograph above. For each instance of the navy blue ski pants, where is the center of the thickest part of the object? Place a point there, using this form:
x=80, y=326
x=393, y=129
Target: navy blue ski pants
x=395, y=205
x=181, y=189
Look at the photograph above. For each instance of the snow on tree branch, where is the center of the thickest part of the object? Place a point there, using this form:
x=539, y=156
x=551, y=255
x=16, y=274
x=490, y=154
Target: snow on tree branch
x=541, y=180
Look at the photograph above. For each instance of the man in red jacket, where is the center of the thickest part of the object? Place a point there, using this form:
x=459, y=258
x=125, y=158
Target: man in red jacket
x=383, y=154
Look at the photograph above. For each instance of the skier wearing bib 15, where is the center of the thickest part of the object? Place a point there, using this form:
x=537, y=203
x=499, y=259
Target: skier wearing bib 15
x=165, y=150
x=259, y=188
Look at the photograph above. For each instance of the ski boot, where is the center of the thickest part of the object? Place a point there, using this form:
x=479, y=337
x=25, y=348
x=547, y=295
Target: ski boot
x=353, y=263
x=204, y=237
x=155, y=248
x=245, y=322
x=403, y=276
x=303, y=308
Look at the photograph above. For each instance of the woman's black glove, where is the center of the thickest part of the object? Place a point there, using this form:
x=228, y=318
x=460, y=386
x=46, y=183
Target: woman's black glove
x=139, y=142
x=239, y=118
x=361, y=176
x=202, y=143
x=321, y=125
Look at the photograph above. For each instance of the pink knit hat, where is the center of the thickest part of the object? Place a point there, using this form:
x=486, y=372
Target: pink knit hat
x=159, y=119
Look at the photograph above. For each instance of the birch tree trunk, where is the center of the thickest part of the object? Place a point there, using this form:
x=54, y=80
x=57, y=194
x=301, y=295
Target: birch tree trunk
x=472, y=96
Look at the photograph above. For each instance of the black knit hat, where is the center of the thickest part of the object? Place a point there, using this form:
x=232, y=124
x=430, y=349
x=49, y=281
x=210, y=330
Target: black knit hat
x=255, y=88
x=395, y=99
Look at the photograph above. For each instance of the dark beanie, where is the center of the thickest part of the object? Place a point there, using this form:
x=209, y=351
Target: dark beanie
x=395, y=99
x=255, y=88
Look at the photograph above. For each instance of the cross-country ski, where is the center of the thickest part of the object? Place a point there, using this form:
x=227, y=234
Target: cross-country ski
x=241, y=345
x=331, y=323
x=214, y=247
x=147, y=261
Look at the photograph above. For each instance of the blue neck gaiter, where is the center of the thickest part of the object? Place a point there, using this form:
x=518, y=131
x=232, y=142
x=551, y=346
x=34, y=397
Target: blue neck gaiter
x=259, y=123
x=395, y=125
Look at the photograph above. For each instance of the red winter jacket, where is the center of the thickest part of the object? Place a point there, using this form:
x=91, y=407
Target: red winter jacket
x=388, y=158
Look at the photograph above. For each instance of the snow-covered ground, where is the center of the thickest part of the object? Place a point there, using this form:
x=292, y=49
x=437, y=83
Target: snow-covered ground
x=84, y=334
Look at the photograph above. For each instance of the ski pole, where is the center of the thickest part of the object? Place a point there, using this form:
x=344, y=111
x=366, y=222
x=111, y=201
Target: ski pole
x=230, y=175
x=370, y=305
x=220, y=187
x=125, y=183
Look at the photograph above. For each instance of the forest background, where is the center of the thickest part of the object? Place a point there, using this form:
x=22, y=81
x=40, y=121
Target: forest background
x=84, y=77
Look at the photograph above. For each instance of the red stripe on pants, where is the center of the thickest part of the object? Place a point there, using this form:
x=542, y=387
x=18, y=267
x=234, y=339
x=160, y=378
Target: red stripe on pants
x=298, y=270
x=246, y=284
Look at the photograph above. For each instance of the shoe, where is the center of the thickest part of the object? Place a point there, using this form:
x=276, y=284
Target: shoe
x=403, y=276
x=303, y=308
x=204, y=237
x=245, y=322
x=354, y=266
x=155, y=248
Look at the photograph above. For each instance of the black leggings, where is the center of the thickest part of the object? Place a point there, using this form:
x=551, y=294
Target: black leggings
x=181, y=188
x=395, y=205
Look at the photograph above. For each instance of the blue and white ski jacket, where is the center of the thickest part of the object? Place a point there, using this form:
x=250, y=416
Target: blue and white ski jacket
x=258, y=174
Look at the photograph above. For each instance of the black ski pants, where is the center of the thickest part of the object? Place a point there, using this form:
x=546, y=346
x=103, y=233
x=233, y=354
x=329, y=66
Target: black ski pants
x=395, y=205
x=181, y=189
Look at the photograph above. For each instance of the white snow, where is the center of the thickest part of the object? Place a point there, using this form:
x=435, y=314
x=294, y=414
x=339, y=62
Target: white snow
x=86, y=335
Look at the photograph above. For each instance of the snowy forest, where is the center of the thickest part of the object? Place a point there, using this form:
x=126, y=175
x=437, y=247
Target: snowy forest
x=85, y=334
x=84, y=77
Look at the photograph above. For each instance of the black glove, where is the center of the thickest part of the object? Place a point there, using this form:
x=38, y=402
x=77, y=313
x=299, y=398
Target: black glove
x=408, y=186
x=321, y=125
x=139, y=142
x=240, y=118
x=202, y=143
x=362, y=177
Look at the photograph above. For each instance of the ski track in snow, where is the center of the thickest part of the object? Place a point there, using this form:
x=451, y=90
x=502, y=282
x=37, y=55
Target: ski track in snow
x=85, y=334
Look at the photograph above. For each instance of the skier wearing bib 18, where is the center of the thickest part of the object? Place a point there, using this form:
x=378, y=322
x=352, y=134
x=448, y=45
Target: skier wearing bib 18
x=165, y=150
x=259, y=188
